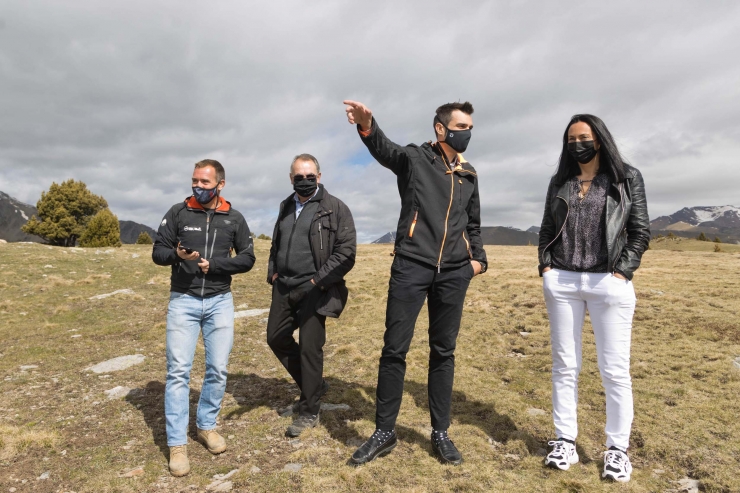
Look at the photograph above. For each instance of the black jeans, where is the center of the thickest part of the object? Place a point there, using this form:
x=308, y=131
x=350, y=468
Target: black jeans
x=411, y=282
x=291, y=309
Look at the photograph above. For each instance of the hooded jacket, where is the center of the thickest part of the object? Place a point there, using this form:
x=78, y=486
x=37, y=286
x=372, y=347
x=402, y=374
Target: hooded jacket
x=627, y=222
x=439, y=223
x=213, y=234
x=333, y=241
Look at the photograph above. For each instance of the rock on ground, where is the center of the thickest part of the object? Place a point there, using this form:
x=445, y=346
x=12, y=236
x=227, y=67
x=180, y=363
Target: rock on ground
x=532, y=411
x=293, y=467
x=106, y=295
x=222, y=477
x=737, y=362
x=137, y=471
x=686, y=485
x=119, y=363
x=220, y=486
x=251, y=313
x=117, y=392
x=28, y=367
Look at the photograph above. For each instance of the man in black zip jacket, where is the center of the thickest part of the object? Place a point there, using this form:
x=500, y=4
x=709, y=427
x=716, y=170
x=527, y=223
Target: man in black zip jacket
x=313, y=247
x=196, y=238
x=438, y=250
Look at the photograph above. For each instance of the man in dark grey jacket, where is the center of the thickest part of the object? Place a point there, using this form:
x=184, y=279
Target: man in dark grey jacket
x=313, y=247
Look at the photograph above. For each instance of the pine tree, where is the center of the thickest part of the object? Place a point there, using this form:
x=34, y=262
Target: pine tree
x=702, y=237
x=64, y=212
x=103, y=230
x=717, y=240
x=144, y=239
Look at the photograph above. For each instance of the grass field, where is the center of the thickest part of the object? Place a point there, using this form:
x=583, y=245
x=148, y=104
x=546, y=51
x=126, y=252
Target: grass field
x=57, y=423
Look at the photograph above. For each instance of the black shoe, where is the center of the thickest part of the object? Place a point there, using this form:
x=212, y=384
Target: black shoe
x=379, y=444
x=301, y=423
x=445, y=449
x=322, y=393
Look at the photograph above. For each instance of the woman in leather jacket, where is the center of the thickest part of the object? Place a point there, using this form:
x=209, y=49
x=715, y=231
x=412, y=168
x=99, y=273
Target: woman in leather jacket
x=594, y=231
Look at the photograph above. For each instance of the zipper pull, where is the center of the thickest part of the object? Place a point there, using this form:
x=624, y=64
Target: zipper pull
x=439, y=269
x=321, y=239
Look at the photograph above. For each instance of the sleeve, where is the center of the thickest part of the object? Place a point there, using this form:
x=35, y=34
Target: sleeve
x=547, y=231
x=274, y=246
x=344, y=252
x=165, y=244
x=473, y=230
x=638, y=230
x=244, y=258
x=388, y=154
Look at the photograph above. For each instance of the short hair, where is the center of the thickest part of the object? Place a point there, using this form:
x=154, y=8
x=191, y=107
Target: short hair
x=220, y=173
x=444, y=112
x=305, y=157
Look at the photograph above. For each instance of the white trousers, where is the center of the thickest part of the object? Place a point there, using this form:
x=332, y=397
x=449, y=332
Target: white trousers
x=610, y=302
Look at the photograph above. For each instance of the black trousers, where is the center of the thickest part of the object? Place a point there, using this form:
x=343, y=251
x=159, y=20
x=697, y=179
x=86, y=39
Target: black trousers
x=411, y=282
x=291, y=309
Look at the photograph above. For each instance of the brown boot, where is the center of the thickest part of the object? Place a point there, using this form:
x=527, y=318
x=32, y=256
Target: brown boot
x=179, y=463
x=214, y=442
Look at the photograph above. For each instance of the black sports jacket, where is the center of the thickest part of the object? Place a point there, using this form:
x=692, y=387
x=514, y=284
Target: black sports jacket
x=627, y=222
x=214, y=235
x=439, y=223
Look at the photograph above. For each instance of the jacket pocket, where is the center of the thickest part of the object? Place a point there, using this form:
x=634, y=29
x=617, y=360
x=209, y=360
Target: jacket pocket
x=467, y=245
x=333, y=300
x=413, y=223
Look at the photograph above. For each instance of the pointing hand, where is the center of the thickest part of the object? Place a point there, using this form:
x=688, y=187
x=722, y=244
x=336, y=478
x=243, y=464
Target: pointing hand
x=358, y=113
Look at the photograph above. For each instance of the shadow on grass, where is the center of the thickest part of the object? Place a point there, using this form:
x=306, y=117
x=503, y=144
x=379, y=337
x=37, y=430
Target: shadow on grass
x=252, y=391
x=150, y=401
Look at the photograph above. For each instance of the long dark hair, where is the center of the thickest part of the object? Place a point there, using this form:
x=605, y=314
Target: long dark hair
x=610, y=160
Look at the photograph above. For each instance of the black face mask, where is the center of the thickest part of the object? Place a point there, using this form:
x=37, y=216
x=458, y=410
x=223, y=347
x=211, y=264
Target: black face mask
x=583, y=151
x=457, y=139
x=305, y=187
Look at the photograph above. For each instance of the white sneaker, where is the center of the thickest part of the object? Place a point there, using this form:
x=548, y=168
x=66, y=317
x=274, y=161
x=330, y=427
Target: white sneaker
x=562, y=455
x=617, y=466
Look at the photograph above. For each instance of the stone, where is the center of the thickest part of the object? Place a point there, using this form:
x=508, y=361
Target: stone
x=243, y=306
x=44, y=476
x=251, y=313
x=512, y=456
x=117, y=392
x=220, y=486
x=116, y=364
x=541, y=452
x=137, y=471
x=76, y=336
x=533, y=411
x=114, y=293
x=524, y=334
x=737, y=362
x=135, y=255
x=687, y=485
x=292, y=467
x=255, y=470
x=48, y=267
x=28, y=367
x=223, y=477
x=325, y=406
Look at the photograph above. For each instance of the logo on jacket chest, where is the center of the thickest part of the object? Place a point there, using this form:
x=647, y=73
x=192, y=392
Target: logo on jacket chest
x=191, y=228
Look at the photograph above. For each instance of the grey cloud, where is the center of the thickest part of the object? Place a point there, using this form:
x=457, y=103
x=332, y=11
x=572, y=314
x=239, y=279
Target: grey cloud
x=127, y=96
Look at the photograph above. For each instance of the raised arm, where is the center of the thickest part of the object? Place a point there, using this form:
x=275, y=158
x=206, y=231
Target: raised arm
x=390, y=155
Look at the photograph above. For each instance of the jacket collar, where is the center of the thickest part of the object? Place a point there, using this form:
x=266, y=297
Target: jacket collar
x=223, y=207
x=434, y=148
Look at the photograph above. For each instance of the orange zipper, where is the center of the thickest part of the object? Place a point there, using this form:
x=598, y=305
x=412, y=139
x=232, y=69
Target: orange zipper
x=470, y=252
x=413, y=224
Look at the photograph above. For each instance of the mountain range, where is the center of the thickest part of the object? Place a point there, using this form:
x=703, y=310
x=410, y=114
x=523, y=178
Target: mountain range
x=14, y=214
x=720, y=221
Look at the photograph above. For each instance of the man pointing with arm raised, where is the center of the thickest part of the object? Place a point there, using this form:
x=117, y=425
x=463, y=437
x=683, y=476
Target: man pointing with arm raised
x=438, y=250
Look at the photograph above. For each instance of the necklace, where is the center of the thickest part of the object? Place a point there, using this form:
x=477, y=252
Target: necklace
x=581, y=193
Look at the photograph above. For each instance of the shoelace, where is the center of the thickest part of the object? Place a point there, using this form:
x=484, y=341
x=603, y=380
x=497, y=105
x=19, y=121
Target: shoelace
x=382, y=436
x=439, y=436
x=558, y=447
x=614, y=458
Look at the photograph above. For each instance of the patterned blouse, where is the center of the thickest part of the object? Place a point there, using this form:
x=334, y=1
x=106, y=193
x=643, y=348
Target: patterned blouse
x=582, y=246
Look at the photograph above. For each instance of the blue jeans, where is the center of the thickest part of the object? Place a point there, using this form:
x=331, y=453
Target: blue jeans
x=186, y=317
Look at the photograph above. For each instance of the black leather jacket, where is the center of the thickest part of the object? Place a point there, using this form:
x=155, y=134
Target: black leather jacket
x=627, y=222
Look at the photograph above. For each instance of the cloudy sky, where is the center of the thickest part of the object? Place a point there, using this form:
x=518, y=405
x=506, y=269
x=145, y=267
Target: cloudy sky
x=127, y=96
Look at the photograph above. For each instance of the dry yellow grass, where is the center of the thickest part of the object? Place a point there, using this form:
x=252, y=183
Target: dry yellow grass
x=16, y=440
x=686, y=335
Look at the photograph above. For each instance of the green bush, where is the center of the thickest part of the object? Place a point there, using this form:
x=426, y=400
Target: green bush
x=64, y=212
x=102, y=231
x=263, y=237
x=144, y=239
x=702, y=237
